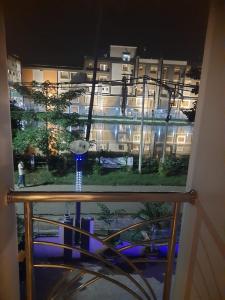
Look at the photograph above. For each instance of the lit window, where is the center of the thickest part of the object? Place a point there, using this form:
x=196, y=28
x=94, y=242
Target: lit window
x=73, y=76
x=126, y=56
x=136, y=138
x=89, y=77
x=74, y=109
x=64, y=75
x=181, y=139
x=139, y=101
x=154, y=69
x=125, y=68
x=103, y=67
x=169, y=139
x=185, y=103
x=164, y=75
x=177, y=70
x=135, y=147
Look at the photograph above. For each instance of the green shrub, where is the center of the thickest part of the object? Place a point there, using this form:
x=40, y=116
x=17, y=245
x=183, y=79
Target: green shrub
x=153, y=165
x=149, y=166
x=97, y=169
x=153, y=210
x=174, y=166
x=56, y=162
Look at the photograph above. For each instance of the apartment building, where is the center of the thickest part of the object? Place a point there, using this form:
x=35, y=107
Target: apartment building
x=14, y=75
x=121, y=62
x=124, y=62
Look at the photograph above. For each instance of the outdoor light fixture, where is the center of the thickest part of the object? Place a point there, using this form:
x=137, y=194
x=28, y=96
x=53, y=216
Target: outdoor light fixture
x=79, y=149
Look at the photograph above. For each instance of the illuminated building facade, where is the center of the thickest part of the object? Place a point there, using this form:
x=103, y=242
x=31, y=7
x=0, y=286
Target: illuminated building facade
x=121, y=61
x=124, y=62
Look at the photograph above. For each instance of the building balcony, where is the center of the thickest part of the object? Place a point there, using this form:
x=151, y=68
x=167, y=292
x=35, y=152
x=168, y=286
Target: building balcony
x=80, y=261
x=200, y=265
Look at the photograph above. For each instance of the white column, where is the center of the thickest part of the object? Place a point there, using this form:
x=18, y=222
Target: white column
x=9, y=283
x=201, y=262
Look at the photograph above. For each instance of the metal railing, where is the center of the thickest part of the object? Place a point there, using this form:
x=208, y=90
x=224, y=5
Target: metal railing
x=28, y=198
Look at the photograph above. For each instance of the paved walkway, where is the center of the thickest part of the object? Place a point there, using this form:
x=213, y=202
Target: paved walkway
x=89, y=208
x=104, y=188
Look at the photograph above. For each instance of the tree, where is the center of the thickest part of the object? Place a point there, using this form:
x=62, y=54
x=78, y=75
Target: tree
x=153, y=210
x=190, y=113
x=124, y=95
x=49, y=128
x=109, y=216
x=194, y=72
x=16, y=122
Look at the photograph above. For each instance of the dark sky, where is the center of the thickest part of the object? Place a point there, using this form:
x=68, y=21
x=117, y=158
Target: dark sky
x=62, y=32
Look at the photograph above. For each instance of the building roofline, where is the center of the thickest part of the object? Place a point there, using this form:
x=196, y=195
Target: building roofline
x=37, y=66
x=14, y=56
x=174, y=62
x=125, y=46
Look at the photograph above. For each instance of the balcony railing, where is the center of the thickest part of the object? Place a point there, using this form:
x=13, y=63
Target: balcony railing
x=141, y=288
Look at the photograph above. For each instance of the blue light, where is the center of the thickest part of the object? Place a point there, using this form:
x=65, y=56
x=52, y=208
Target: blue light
x=135, y=251
x=163, y=250
x=79, y=157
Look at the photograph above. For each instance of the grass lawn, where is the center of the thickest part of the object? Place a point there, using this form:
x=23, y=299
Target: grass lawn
x=43, y=176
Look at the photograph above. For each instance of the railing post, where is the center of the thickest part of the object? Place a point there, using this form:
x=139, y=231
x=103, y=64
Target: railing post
x=28, y=249
x=171, y=253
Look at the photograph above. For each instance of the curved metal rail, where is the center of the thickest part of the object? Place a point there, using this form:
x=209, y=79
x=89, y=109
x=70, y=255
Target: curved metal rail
x=29, y=197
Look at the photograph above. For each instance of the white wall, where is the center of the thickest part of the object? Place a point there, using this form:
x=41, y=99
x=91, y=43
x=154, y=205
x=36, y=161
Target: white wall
x=9, y=283
x=116, y=75
x=201, y=262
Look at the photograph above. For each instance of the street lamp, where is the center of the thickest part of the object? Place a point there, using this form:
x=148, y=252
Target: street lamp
x=79, y=148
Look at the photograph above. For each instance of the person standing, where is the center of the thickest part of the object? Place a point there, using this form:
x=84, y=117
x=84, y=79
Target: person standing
x=21, y=172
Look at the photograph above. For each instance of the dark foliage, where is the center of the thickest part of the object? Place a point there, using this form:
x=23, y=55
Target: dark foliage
x=194, y=73
x=190, y=113
x=46, y=130
x=174, y=166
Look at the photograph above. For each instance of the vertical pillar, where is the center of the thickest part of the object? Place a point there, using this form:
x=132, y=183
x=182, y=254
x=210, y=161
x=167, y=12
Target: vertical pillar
x=9, y=283
x=28, y=249
x=171, y=252
x=201, y=261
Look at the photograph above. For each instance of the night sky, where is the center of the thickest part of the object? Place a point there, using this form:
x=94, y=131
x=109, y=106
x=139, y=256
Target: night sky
x=62, y=32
